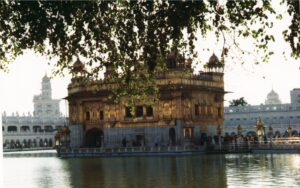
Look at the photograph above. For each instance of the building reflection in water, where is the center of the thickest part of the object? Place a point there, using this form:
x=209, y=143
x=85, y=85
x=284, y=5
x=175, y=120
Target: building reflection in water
x=206, y=170
x=35, y=172
x=263, y=170
x=234, y=170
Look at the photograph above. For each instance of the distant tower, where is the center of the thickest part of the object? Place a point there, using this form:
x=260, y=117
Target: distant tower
x=295, y=96
x=44, y=105
x=46, y=88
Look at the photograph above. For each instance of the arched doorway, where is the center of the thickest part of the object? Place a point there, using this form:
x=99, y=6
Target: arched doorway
x=277, y=133
x=94, y=138
x=294, y=133
x=45, y=142
x=24, y=143
x=41, y=143
x=172, y=136
x=29, y=143
x=34, y=143
x=12, y=144
x=50, y=142
x=18, y=145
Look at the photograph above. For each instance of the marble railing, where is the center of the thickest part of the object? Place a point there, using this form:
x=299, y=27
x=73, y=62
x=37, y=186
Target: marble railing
x=26, y=133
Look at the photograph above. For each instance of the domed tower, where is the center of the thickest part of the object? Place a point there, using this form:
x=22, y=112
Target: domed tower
x=272, y=98
x=214, y=64
x=178, y=61
x=78, y=68
x=44, y=105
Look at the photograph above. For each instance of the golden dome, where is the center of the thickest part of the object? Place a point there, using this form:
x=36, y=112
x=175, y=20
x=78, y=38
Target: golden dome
x=214, y=62
x=78, y=66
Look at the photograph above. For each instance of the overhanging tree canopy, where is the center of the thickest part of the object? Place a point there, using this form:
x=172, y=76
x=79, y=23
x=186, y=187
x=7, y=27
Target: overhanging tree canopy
x=131, y=37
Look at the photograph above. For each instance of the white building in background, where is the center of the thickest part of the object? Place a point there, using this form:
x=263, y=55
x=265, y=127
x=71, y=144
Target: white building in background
x=273, y=113
x=37, y=130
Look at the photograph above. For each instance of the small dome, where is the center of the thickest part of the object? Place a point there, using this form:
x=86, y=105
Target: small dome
x=46, y=78
x=272, y=94
x=78, y=66
x=272, y=98
x=213, y=59
x=214, y=62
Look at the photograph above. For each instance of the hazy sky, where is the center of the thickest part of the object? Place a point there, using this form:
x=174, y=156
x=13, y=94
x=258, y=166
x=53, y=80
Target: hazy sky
x=24, y=81
x=253, y=82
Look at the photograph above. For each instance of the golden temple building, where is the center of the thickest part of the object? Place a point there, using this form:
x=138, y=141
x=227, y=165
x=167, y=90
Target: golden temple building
x=189, y=107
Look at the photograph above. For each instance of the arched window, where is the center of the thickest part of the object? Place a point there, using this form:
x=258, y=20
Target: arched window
x=139, y=111
x=87, y=115
x=101, y=115
x=48, y=128
x=149, y=111
x=12, y=129
x=25, y=128
x=37, y=128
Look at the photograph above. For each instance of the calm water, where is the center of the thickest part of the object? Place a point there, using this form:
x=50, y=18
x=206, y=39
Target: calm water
x=238, y=170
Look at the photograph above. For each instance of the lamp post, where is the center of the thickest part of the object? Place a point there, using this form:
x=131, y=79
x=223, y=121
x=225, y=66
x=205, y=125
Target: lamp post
x=260, y=130
x=289, y=131
x=239, y=130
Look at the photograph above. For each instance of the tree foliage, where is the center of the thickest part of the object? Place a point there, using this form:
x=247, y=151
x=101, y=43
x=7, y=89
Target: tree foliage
x=292, y=34
x=131, y=37
x=238, y=102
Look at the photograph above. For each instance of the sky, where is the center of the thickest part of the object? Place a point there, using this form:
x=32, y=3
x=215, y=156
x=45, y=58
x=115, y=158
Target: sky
x=253, y=82
x=23, y=81
x=250, y=81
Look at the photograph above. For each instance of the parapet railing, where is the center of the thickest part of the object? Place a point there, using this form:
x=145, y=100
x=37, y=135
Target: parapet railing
x=249, y=145
x=133, y=149
x=27, y=149
x=27, y=133
x=229, y=147
x=280, y=143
